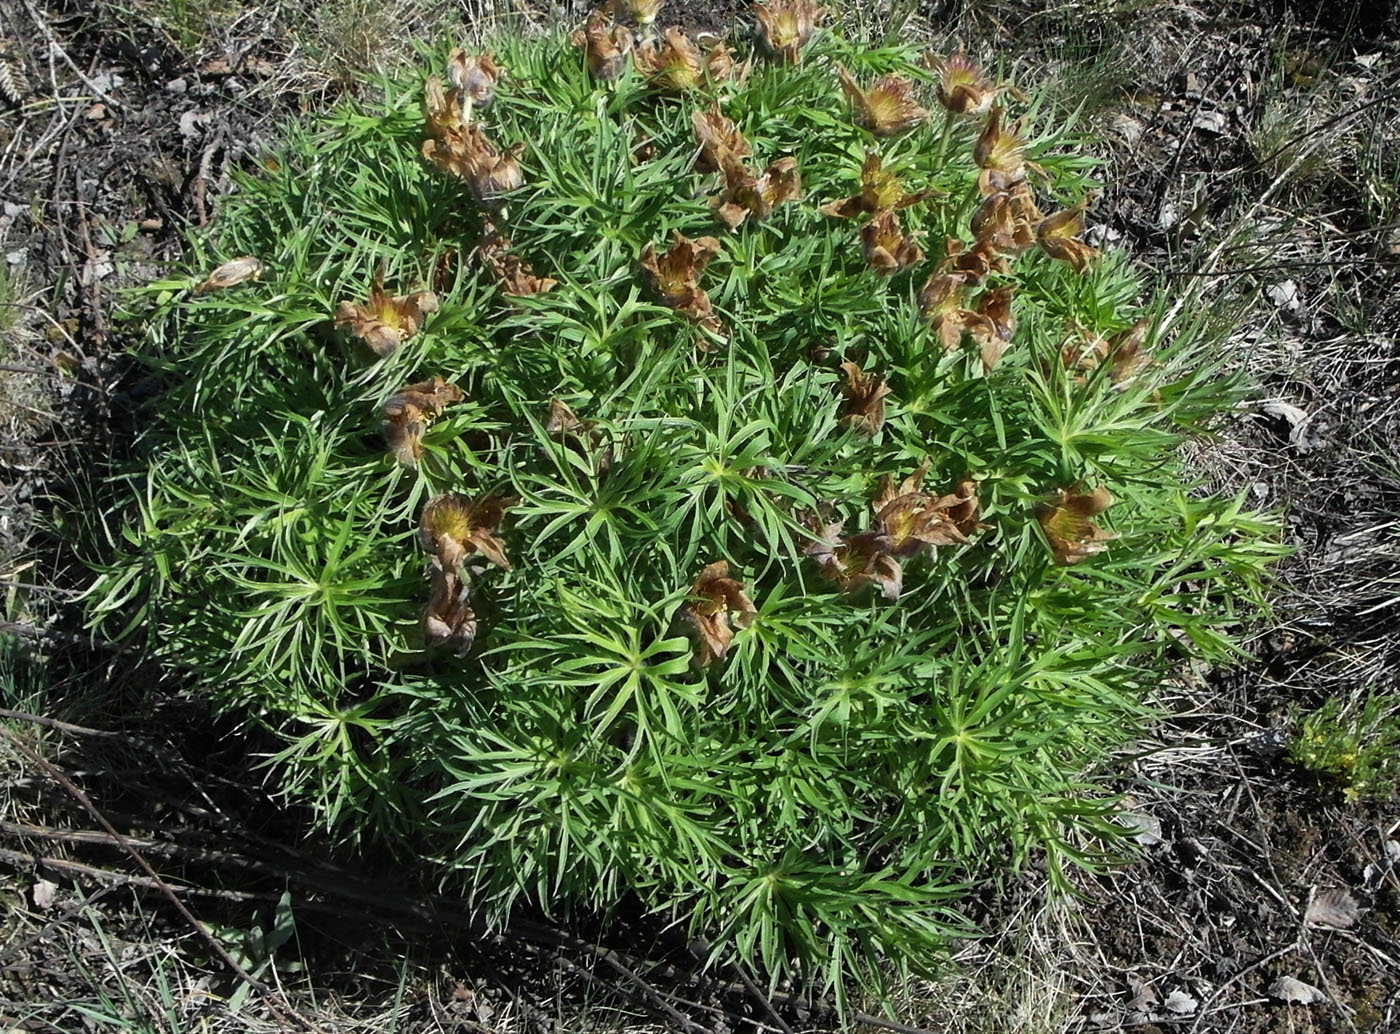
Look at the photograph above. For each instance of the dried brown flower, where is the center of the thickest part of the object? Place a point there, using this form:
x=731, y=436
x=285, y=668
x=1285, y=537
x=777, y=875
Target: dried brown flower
x=675, y=277
x=467, y=154
x=865, y=400
x=999, y=221
x=973, y=264
x=998, y=324
x=1058, y=234
x=1069, y=527
x=448, y=618
x=452, y=527
x=383, y=322
x=855, y=562
x=408, y=413
x=747, y=195
x=605, y=44
x=641, y=12
x=674, y=64
x=1001, y=155
x=888, y=250
x=962, y=87
x=908, y=521
x=719, y=607
x=1123, y=353
x=511, y=271
x=887, y=108
x=230, y=274
x=787, y=26
x=879, y=191
x=474, y=76
x=718, y=139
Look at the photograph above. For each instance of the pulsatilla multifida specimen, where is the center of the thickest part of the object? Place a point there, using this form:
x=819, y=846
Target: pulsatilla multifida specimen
x=461, y=148
x=675, y=277
x=907, y=522
x=749, y=194
x=606, y=46
x=988, y=322
x=718, y=139
x=450, y=529
x=1123, y=355
x=474, y=77
x=514, y=274
x=888, y=249
x=230, y=274
x=675, y=64
x=880, y=191
x=1001, y=155
x=453, y=527
x=885, y=109
x=1058, y=235
x=408, y=413
x=1067, y=521
x=963, y=89
x=385, y=322
x=787, y=26
x=864, y=410
x=719, y=605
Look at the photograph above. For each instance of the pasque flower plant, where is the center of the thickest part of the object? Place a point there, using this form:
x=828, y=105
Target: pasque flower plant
x=754, y=507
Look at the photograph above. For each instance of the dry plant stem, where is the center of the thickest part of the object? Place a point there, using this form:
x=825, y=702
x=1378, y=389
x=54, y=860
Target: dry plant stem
x=57, y=48
x=1208, y=269
x=54, y=773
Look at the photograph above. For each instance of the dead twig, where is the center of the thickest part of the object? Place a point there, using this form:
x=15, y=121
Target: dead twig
x=53, y=772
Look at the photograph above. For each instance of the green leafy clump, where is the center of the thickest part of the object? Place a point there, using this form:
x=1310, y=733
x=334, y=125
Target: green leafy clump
x=1356, y=745
x=782, y=578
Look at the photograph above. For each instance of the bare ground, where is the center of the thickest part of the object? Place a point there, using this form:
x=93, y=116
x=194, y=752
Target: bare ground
x=1251, y=159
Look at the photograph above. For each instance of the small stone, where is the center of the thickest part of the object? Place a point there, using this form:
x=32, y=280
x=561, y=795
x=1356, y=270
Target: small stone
x=176, y=86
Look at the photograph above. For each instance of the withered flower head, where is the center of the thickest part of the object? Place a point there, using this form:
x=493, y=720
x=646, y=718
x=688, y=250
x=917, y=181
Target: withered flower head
x=719, y=607
x=855, y=562
x=561, y=419
x=908, y=521
x=384, y=323
x=887, y=108
x=1058, y=235
x=1123, y=353
x=452, y=527
x=443, y=108
x=606, y=46
x=469, y=155
x=408, y=413
x=719, y=63
x=976, y=263
x=1069, y=527
x=940, y=299
x=674, y=65
x=1000, y=154
x=511, y=271
x=230, y=274
x=787, y=26
x=641, y=12
x=748, y=195
x=994, y=309
x=879, y=191
x=1000, y=221
x=962, y=88
x=675, y=277
x=718, y=138
x=888, y=250
x=475, y=76
x=448, y=619
x=865, y=400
